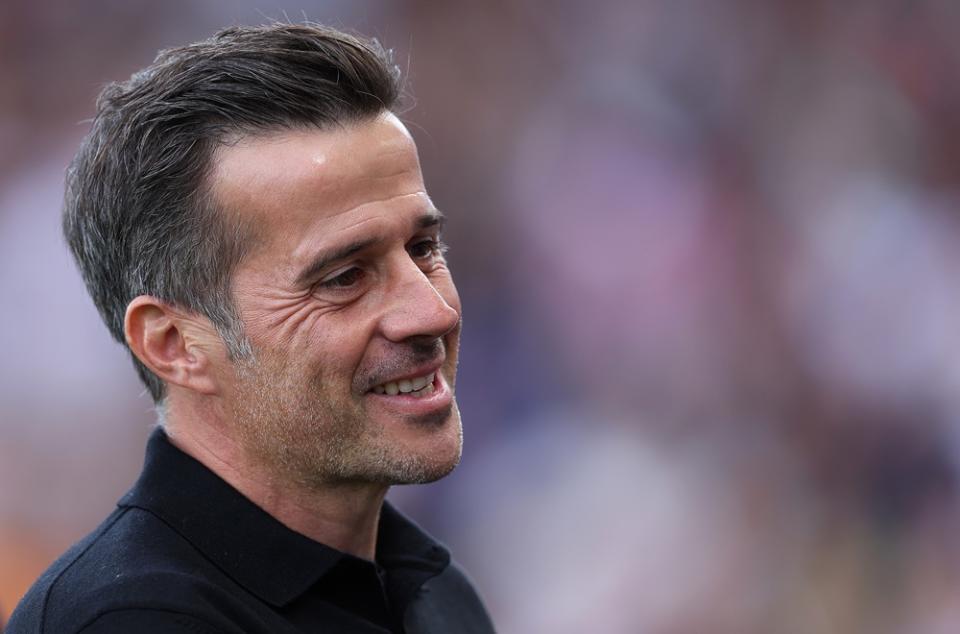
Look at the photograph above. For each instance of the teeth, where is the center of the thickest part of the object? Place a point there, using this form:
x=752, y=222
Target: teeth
x=423, y=391
x=418, y=383
x=417, y=387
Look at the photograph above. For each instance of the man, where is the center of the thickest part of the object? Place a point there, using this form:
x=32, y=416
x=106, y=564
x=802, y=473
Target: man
x=250, y=218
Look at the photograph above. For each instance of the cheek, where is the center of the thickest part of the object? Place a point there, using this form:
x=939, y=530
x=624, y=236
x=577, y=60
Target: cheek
x=335, y=344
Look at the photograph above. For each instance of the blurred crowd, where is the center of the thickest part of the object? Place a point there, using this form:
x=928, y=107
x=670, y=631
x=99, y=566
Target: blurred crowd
x=710, y=259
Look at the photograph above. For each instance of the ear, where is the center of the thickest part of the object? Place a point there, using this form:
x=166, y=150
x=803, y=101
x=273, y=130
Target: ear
x=181, y=348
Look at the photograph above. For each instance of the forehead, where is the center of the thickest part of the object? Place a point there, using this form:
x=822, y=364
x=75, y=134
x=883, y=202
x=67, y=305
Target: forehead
x=284, y=184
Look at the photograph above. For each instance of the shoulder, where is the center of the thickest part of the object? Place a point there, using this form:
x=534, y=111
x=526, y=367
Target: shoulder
x=148, y=621
x=448, y=602
x=132, y=568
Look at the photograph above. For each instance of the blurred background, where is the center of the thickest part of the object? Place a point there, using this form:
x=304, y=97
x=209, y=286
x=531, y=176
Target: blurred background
x=710, y=259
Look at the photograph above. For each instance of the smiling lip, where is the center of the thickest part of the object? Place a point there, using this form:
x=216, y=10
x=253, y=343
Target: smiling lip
x=417, y=386
x=431, y=399
x=413, y=380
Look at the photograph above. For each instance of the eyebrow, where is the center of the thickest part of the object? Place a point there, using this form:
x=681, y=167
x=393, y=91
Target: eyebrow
x=324, y=258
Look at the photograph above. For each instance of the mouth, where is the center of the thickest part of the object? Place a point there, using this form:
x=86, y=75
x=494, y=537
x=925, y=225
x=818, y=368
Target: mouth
x=416, y=387
x=425, y=397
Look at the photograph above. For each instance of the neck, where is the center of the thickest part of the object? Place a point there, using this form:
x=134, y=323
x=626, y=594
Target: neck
x=342, y=516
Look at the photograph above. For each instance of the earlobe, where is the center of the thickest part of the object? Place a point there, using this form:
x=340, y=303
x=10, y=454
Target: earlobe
x=166, y=340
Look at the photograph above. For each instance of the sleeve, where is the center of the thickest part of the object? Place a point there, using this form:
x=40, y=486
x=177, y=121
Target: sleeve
x=147, y=621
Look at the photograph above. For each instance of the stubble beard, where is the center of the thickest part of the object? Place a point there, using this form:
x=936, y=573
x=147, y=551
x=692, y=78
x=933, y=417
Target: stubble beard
x=287, y=422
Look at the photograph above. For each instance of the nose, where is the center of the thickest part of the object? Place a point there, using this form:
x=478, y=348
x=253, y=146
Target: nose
x=418, y=307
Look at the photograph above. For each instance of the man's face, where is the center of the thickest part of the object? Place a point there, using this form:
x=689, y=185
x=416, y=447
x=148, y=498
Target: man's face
x=348, y=303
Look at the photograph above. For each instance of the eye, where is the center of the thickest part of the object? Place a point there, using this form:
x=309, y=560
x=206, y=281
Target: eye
x=428, y=248
x=346, y=279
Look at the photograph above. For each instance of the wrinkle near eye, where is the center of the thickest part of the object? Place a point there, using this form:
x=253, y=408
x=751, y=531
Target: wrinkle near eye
x=284, y=316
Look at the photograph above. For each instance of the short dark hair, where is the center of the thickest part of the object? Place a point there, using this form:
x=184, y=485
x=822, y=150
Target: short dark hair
x=138, y=213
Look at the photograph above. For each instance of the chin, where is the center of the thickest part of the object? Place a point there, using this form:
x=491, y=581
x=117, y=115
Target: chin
x=432, y=458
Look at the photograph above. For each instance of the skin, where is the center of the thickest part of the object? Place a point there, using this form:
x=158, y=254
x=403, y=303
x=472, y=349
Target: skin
x=298, y=428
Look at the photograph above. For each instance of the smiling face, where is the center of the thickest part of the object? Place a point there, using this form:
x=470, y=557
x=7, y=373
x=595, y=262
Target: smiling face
x=348, y=304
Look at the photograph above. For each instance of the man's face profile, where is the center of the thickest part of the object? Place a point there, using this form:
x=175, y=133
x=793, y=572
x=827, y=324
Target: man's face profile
x=251, y=221
x=348, y=304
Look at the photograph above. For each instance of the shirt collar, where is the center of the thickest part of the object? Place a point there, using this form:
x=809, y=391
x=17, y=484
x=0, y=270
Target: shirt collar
x=270, y=560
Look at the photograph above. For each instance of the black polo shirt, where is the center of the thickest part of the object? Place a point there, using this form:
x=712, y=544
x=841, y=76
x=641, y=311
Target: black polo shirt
x=186, y=552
